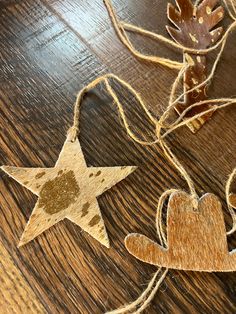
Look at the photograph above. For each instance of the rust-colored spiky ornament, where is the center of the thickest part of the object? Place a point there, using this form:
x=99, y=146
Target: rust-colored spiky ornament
x=195, y=28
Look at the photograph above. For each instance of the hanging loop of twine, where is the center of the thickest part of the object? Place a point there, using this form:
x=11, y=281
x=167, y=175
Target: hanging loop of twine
x=160, y=125
x=144, y=300
x=163, y=126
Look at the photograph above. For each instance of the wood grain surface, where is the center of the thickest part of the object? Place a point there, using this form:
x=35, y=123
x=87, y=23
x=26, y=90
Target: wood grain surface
x=49, y=50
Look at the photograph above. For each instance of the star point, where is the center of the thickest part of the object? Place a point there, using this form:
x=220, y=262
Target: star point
x=68, y=190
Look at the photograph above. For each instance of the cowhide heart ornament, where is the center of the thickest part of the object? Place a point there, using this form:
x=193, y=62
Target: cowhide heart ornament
x=196, y=239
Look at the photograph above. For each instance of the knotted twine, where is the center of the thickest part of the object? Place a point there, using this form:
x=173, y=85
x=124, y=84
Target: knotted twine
x=159, y=276
x=161, y=124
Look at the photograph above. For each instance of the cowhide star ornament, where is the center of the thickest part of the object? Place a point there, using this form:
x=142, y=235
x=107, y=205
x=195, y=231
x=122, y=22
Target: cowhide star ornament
x=196, y=238
x=68, y=190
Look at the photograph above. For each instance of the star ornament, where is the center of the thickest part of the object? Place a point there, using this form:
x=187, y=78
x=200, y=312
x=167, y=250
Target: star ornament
x=68, y=190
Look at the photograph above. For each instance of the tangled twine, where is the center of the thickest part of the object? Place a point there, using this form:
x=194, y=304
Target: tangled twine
x=164, y=127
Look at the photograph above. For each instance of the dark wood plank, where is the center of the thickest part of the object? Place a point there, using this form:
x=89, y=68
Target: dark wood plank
x=50, y=50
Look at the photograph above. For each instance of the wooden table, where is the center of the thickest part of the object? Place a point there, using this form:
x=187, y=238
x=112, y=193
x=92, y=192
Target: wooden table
x=50, y=49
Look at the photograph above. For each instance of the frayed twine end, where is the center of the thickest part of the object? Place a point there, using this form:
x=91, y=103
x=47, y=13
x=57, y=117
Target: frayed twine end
x=72, y=134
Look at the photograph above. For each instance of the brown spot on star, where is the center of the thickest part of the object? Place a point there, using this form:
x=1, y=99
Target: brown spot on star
x=85, y=209
x=65, y=192
x=94, y=221
x=40, y=175
x=59, y=193
x=102, y=180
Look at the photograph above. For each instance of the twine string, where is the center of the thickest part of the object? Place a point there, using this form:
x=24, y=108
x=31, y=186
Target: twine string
x=121, y=27
x=164, y=127
x=148, y=294
x=159, y=221
x=177, y=82
x=233, y=5
x=152, y=287
x=230, y=207
x=124, y=39
x=144, y=300
x=75, y=129
x=217, y=104
x=231, y=8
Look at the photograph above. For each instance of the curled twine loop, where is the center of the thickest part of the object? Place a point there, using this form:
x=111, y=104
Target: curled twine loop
x=164, y=127
x=146, y=297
